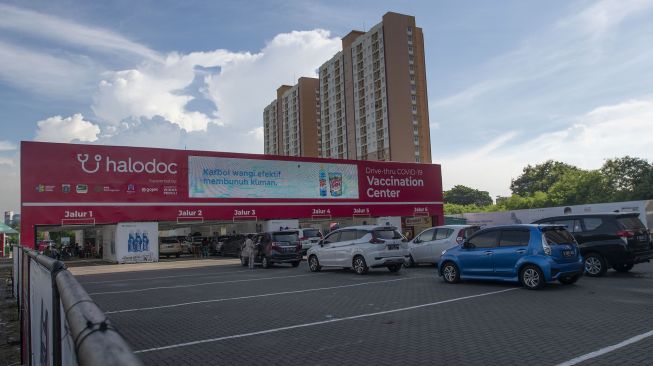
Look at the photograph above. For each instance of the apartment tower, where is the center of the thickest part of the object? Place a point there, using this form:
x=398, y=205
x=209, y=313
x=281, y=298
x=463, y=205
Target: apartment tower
x=291, y=121
x=373, y=102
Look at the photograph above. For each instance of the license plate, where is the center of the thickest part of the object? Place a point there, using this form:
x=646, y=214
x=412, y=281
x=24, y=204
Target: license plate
x=393, y=246
x=641, y=238
x=567, y=253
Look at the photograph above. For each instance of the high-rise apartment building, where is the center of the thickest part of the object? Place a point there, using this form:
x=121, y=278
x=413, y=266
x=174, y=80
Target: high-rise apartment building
x=291, y=121
x=373, y=102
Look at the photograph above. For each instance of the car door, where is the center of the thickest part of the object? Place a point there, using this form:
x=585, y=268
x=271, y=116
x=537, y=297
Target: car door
x=327, y=252
x=475, y=256
x=513, y=245
x=441, y=241
x=418, y=246
x=344, y=246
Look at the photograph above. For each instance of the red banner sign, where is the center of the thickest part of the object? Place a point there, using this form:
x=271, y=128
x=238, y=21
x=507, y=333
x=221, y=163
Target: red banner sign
x=72, y=184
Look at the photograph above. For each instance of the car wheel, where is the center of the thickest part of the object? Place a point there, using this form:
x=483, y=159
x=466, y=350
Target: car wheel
x=265, y=263
x=359, y=265
x=314, y=264
x=532, y=277
x=394, y=268
x=295, y=264
x=595, y=265
x=243, y=261
x=623, y=267
x=450, y=273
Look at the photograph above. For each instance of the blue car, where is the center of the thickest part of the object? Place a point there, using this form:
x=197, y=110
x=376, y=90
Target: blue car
x=530, y=254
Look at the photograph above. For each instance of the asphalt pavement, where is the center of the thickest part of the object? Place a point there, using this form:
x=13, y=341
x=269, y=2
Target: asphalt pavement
x=225, y=314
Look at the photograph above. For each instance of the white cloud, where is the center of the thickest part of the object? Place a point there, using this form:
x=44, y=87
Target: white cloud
x=604, y=15
x=59, y=129
x=6, y=161
x=72, y=33
x=602, y=133
x=258, y=134
x=7, y=146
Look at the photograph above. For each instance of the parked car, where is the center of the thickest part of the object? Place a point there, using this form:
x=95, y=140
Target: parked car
x=170, y=246
x=617, y=240
x=232, y=245
x=274, y=247
x=189, y=242
x=530, y=254
x=429, y=244
x=217, y=242
x=308, y=237
x=361, y=248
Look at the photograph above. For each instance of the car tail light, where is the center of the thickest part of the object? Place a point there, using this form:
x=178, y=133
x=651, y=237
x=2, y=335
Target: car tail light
x=625, y=234
x=545, y=245
x=303, y=238
x=275, y=246
x=461, y=236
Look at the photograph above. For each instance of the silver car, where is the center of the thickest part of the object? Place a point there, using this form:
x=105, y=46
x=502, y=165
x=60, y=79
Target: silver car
x=427, y=247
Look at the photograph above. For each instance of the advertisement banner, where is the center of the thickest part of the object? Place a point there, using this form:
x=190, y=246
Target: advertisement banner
x=16, y=279
x=68, y=354
x=41, y=321
x=137, y=242
x=214, y=177
x=75, y=184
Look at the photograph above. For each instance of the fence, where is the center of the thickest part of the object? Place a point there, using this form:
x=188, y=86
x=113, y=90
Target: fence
x=59, y=322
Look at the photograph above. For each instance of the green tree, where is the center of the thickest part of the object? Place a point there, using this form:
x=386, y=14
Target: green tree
x=579, y=187
x=517, y=202
x=628, y=178
x=539, y=177
x=463, y=195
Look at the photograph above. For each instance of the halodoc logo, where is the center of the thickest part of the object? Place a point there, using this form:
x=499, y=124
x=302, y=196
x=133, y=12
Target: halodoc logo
x=98, y=162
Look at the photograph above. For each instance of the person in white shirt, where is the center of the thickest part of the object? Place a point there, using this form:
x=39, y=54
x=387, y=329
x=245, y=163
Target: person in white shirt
x=250, y=250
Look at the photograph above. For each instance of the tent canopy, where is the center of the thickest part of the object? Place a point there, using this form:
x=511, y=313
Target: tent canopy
x=7, y=230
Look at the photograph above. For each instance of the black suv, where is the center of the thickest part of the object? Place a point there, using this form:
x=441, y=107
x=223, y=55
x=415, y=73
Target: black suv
x=276, y=247
x=617, y=240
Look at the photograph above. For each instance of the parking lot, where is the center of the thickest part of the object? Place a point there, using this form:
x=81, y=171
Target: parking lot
x=228, y=315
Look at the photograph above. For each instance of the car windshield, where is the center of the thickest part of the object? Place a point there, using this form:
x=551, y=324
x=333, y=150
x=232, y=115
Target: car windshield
x=387, y=234
x=311, y=233
x=558, y=235
x=630, y=223
x=289, y=237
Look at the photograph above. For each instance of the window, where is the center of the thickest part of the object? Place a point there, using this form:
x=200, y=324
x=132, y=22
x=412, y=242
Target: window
x=348, y=235
x=427, y=235
x=572, y=225
x=443, y=233
x=332, y=238
x=591, y=223
x=558, y=236
x=387, y=234
x=511, y=238
x=485, y=240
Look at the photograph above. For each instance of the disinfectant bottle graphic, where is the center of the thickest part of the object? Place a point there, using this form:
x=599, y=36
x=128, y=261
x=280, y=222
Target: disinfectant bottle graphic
x=130, y=242
x=138, y=242
x=323, y=182
x=146, y=242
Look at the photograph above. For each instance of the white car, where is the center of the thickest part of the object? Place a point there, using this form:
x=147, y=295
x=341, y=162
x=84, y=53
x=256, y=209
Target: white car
x=308, y=237
x=427, y=247
x=360, y=248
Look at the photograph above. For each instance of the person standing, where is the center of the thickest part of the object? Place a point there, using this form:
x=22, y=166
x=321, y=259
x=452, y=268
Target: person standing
x=205, y=248
x=250, y=250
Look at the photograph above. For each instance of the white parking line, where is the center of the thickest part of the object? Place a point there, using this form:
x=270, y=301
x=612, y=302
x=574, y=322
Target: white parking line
x=262, y=295
x=194, y=285
x=333, y=320
x=605, y=350
x=161, y=277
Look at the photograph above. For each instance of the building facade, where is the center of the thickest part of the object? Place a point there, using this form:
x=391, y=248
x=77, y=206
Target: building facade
x=373, y=102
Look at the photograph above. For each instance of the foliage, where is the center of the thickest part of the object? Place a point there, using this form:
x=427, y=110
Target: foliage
x=539, y=178
x=462, y=195
x=628, y=178
x=579, y=187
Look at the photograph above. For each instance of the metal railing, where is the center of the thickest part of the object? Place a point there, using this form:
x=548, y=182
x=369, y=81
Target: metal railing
x=59, y=322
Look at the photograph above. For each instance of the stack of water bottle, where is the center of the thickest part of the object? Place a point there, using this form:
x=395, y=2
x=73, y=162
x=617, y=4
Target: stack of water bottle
x=138, y=242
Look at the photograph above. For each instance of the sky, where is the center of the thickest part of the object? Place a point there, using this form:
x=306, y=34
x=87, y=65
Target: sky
x=510, y=83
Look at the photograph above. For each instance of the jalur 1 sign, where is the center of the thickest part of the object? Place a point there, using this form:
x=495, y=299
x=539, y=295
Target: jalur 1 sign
x=71, y=184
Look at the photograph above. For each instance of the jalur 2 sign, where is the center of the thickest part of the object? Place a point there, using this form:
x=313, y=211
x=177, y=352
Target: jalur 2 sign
x=71, y=184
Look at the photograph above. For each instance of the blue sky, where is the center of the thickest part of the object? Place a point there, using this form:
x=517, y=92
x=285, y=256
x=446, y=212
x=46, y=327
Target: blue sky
x=510, y=83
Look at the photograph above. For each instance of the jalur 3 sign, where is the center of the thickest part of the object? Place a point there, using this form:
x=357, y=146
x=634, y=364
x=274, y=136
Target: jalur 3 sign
x=71, y=184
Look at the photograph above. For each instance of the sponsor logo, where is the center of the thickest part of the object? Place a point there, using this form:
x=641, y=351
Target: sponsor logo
x=81, y=188
x=131, y=188
x=169, y=190
x=149, y=189
x=44, y=188
x=97, y=189
x=65, y=188
x=124, y=166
